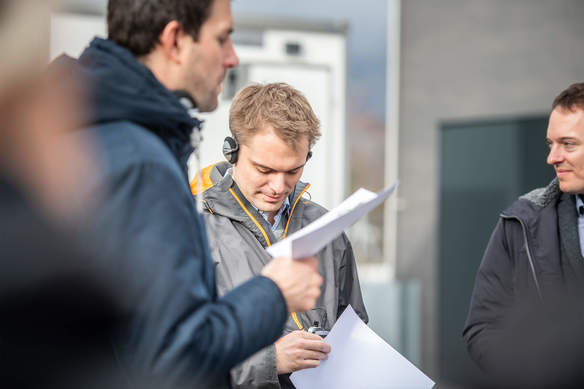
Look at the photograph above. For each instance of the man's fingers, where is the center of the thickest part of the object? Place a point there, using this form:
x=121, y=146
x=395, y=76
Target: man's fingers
x=312, y=262
x=307, y=304
x=308, y=363
x=318, y=346
x=317, y=279
x=324, y=347
x=309, y=335
x=314, y=342
x=309, y=354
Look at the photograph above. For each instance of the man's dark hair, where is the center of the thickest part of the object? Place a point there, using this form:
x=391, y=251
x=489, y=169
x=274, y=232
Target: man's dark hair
x=573, y=96
x=137, y=24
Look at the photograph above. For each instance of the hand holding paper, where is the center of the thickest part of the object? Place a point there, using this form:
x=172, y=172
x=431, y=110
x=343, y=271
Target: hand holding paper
x=359, y=358
x=299, y=350
x=298, y=281
x=309, y=240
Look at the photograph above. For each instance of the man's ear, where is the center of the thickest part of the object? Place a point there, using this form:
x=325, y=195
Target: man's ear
x=171, y=40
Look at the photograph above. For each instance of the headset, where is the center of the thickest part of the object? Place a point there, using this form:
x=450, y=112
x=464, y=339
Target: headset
x=231, y=150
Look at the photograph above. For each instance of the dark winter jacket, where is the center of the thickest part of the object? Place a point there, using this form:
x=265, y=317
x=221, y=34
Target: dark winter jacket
x=238, y=240
x=524, y=324
x=60, y=310
x=186, y=333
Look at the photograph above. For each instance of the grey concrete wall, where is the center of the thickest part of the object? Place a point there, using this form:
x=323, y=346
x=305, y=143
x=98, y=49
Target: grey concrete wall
x=467, y=59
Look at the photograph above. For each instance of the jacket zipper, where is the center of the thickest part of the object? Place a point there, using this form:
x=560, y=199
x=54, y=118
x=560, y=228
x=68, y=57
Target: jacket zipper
x=259, y=226
x=293, y=208
x=524, y=230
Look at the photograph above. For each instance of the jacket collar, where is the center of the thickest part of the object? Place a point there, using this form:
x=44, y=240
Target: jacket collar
x=537, y=212
x=531, y=203
x=225, y=199
x=123, y=89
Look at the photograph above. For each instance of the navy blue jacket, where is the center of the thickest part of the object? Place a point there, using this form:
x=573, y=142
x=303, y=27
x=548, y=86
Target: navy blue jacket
x=524, y=326
x=182, y=331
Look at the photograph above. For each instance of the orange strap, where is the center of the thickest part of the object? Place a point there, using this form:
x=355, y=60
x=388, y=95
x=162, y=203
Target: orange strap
x=294, y=316
x=259, y=226
x=251, y=216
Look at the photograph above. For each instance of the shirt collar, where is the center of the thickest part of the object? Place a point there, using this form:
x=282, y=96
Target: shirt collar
x=579, y=206
x=283, y=211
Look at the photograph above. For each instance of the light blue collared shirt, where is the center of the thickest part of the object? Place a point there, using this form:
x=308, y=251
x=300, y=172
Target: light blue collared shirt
x=283, y=211
x=580, y=210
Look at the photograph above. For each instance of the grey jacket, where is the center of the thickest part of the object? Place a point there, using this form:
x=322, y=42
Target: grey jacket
x=238, y=248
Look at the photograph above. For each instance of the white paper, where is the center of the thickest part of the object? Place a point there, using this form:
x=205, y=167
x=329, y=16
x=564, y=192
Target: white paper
x=309, y=240
x=359, y=358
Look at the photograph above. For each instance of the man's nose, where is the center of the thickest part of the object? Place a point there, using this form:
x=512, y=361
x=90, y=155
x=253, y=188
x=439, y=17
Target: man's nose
x=555, y=156
x=231, y=59
x=278, y=183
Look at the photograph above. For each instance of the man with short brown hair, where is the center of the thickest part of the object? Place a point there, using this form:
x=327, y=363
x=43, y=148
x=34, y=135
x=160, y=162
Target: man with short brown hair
x=162, y=58
x=525, y=322
x=256, y=199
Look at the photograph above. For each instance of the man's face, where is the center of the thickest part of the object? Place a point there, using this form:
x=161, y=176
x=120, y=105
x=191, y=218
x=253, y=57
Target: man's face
x=207, y=60
x=565, y=137
x=267, y=169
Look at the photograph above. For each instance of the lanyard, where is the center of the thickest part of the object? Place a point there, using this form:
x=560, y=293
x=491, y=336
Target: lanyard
x=259, y=226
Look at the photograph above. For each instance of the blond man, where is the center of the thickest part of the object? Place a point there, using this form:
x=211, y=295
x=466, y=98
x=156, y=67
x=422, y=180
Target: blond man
x=256, y=199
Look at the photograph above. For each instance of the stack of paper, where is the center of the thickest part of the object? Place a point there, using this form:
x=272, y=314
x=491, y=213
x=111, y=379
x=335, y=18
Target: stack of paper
x=359, y=358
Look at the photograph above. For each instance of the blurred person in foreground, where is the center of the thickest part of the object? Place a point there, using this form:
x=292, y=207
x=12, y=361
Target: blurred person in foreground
x=524, y=327
x=254, y=200
x=59, y=309
x=188, y=334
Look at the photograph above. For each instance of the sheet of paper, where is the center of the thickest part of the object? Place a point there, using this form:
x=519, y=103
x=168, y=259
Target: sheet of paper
x=359, y=358
x=309, y=240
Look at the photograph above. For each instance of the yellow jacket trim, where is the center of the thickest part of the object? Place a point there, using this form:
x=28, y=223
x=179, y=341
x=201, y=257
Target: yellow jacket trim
x=251, y=216
x=206, y=182
x=293, y=314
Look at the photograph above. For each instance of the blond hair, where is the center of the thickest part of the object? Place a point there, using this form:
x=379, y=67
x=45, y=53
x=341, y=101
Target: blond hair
x=276, y=104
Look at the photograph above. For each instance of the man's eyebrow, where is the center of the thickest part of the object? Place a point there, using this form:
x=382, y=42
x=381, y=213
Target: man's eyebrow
x=259, y=165
x=563, y=138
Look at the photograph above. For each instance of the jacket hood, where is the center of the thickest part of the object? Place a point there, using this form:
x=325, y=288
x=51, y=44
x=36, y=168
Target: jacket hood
x=222, y=197
x=532, y=202
x=123, y=89
x=543, y=196
x=216, y=194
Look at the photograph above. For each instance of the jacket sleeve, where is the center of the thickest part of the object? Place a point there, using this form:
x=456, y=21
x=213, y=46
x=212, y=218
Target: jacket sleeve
x=492, y=297
x=258, y=371
x=182, y=330
x=230, y=251
x=349, y=287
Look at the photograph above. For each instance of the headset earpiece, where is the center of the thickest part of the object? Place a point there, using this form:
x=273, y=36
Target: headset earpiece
x=230, y=149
